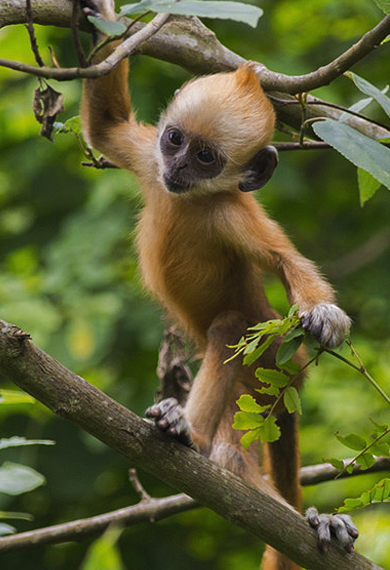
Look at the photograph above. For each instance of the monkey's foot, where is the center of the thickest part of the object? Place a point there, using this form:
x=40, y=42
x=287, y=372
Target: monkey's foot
x=327, y=323
x=169, y=417
x=337, y=526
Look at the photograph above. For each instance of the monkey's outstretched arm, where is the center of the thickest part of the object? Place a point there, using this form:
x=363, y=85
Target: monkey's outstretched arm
x=108, y=122
x=264, y=241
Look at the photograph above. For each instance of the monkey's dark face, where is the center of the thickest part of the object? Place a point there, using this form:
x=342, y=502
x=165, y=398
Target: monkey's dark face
x=188, y=160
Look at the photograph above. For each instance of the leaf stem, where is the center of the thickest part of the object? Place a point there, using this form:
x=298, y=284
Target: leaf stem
x=361, y=368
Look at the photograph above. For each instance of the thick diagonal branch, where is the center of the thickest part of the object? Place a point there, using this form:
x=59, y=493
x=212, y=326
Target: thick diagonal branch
x=72, y=398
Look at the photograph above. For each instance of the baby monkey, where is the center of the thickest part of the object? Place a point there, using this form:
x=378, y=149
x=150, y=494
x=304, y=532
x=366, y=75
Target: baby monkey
x=203, y=243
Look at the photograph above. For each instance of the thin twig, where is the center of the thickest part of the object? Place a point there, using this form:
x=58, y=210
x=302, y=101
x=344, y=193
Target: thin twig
x=126, y=48
x=31, y=33
x=75, y=34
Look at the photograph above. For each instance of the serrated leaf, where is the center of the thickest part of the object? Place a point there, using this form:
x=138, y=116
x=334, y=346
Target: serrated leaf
x=287, y=350
x=353, y=441
x=247, y=420
x=368, y=89
x=269, y=390
x=237, y=11
x=16, y=479
x=247, y=403
x=362, y=151
x=292, y=400
x=249, y=438
x=273, y=377
x=368, y=185
x=269, y=431
x=110, y=28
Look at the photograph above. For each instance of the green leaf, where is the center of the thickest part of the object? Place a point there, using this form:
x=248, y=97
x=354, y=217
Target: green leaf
x=360, y=150
x=16, y=479
x=104, y=553
x=368, y=185
x=380, y=493
x=220, y=9
x=383, y=5
x=6, y=529
x=269, y=390
x=353, y=441
x=13, y=515
x=290, y=367
x=247, y=420
x=252, y=357
x=292, y=400
x=366, y=461
x=368, y=89
x=247, y=403
x=8, y=397
x=249, y=437
x=287, y=350
x=337, y=463
x=22, y=441
x=109, y=28
x=274, y=377
x=269, y=431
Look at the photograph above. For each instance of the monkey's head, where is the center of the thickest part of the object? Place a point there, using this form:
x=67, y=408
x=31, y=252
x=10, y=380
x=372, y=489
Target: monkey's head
x=215, y=133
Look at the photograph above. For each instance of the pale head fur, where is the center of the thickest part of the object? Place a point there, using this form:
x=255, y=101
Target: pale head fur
x=229, y=110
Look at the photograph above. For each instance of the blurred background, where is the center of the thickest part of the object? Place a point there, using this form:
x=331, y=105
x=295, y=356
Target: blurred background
x=68, y=276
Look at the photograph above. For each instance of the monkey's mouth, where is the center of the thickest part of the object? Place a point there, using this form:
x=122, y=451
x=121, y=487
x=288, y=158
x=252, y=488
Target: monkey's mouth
x=177, y=185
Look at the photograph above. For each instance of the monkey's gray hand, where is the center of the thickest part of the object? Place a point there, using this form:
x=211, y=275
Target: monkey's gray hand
x=327, y=323
x=169, y=417
x=339, y=527
x=99, y=8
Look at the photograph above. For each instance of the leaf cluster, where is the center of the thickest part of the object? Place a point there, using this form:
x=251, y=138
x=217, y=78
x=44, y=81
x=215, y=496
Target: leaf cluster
x=370, y=156
x=260, y=421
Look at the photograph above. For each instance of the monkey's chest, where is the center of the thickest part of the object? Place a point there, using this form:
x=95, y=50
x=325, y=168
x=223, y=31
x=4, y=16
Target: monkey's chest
x=194, y=273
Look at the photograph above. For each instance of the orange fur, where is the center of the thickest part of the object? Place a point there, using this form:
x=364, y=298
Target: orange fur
x=202, y=253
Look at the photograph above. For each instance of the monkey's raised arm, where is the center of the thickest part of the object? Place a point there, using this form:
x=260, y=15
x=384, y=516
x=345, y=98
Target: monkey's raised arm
x=108, y=122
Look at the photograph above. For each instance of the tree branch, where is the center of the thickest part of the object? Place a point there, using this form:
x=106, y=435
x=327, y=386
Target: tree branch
x=150, y=509
x=72, y=398
x=185, y=41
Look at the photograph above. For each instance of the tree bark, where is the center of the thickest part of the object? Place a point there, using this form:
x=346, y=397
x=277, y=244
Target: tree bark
x=188, y=43
x=72, y=398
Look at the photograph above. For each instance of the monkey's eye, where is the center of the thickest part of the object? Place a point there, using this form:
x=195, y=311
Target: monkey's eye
x=175, y=137
x=205, y=156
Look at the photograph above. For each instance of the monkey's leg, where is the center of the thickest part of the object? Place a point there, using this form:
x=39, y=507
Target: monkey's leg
x=283, y=463
x=212, y=390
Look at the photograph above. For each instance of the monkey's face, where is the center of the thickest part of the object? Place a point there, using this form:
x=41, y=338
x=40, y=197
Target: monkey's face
x=188, y=160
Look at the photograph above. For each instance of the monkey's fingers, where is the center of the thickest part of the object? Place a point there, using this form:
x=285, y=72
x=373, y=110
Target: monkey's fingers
x=169, y=417
x=327, y=323
x=340, y=527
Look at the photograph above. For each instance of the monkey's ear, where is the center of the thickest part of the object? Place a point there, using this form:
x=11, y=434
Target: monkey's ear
x=259, y=169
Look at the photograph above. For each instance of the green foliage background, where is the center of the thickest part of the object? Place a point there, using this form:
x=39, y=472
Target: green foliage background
x=68, y=276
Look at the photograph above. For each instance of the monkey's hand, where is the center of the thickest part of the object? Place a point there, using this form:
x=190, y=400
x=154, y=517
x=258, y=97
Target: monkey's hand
x=339, y=527
x=327, y=323
x=99, y=8
x=169, y=417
